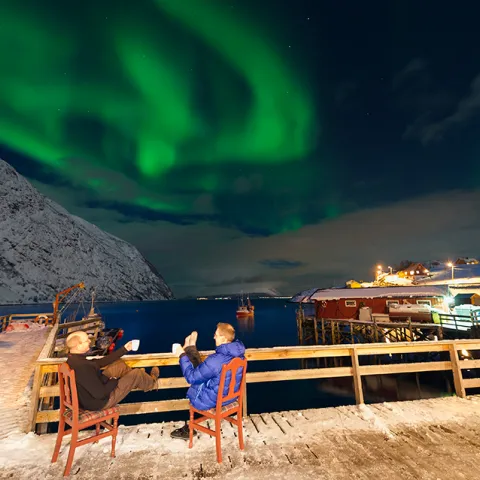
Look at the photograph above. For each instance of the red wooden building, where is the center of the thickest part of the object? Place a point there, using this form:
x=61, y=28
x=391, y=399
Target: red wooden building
x=346, y=303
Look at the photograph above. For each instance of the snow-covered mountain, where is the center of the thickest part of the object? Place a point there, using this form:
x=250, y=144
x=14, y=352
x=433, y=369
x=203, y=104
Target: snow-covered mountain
x=44, y=249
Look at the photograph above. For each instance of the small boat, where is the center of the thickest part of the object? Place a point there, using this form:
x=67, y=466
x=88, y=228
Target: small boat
x=247, y=310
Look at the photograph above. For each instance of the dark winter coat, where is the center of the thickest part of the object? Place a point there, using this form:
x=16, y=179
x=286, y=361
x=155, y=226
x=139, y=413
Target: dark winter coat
x=205, y=379
x=93, y=387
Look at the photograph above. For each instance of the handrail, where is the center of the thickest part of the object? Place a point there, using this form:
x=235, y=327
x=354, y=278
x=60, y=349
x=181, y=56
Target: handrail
x=7, y=320
x=44, y=366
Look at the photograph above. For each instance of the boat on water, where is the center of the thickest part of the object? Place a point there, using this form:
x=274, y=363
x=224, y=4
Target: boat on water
x=245, y=310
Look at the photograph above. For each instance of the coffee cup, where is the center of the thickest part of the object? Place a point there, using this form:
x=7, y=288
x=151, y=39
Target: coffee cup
x=175, y=346
x=135, y=345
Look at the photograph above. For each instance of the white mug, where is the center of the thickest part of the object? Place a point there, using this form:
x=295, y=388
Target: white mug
x=135, y=345
x=175, y=346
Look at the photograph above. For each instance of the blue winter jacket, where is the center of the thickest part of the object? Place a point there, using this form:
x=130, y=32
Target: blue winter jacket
x=205, y=379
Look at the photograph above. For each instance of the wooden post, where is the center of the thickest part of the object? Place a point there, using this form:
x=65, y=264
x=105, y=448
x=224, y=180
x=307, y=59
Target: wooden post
x=37, y=379
x=323, y=331
x=357, y=378
x=457, y=372
x=315, y=326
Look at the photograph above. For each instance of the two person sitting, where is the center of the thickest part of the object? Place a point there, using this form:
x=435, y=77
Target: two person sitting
x=104, y=382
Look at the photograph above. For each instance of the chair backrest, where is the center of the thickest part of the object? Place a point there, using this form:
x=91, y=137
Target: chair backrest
x=68, y=390
x=233, y=367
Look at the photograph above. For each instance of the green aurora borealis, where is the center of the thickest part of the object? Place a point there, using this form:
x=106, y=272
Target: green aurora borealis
x=160, y=106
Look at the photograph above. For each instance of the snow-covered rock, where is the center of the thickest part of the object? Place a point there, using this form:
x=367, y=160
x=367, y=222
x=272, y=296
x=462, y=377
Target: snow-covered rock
x=44, y=249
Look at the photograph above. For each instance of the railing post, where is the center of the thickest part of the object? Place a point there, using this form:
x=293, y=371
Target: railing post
x=357, y=378
x=37, y=380
x=457, y=371
x=244, y=406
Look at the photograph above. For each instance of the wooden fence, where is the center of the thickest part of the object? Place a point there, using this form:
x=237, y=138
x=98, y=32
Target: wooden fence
x=45, y=386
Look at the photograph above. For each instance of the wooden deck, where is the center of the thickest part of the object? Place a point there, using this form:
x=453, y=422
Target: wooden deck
x=424, y=439
x=18, y=353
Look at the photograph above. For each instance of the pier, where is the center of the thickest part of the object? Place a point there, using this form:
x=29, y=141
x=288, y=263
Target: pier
x=429, y=438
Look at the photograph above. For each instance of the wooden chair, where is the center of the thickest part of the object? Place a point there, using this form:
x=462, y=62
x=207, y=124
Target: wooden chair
x=79, y=419
x=223, y=412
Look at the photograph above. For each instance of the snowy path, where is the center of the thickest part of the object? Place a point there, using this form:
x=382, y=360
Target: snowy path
x=424, y=439
x=18, y=352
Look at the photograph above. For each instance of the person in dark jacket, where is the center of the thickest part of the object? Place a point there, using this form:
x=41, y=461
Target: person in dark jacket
x=99, y=389
x=204, y=377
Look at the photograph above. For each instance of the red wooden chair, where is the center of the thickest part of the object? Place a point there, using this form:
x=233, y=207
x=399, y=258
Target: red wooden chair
x=223, y=412
x=79, y=419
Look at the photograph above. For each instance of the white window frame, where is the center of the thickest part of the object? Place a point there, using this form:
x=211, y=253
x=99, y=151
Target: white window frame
x=393, y=302
x=351, y=303
x=424, y=302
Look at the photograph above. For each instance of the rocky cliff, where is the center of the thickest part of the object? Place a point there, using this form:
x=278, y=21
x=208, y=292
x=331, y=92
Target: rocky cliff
x=44, y=249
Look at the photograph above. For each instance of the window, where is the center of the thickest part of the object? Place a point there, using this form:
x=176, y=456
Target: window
x=424, y=302
x=392, y=302
x=350, y=303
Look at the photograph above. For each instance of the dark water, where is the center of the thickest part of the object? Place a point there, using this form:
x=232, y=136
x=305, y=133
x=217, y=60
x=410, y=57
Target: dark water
x=159, y=324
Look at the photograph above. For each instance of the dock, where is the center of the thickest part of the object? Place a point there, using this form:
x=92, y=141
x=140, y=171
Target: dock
x=424, y=439
x=18, y=354
x=421, y=439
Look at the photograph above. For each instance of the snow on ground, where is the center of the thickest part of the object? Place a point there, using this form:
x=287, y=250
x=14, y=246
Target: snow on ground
x=424, y=439
x=18, y=352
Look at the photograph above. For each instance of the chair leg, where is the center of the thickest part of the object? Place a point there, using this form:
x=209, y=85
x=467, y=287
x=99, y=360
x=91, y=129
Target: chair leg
x=58, y=444
x=71, y=453
x=97, y=431
x=240, y=431
x=114, y=436
x=218, y=436
x=190, y=427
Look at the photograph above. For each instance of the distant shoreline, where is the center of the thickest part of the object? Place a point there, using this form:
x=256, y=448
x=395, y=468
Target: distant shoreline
x=196, y=299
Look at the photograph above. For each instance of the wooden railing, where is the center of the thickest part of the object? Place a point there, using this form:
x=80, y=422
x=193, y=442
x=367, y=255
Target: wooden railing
x=460, y=323
x=7, y=320
x=43, y=392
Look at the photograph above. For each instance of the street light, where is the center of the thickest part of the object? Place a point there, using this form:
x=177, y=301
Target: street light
x=391, y=269
x=450, y=264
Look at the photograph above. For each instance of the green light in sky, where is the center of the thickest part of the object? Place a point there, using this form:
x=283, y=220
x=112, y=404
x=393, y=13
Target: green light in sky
x=125, y=98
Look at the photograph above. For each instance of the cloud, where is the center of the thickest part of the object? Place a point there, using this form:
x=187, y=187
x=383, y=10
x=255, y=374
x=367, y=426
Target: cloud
x=415, y=68
x=281, y=264
x=204, y=258
x=428, y=131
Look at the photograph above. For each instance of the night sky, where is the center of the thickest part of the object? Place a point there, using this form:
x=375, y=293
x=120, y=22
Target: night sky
x=252, y=144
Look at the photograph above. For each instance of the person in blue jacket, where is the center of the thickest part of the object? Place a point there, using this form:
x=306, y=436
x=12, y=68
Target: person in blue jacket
x=204, y=377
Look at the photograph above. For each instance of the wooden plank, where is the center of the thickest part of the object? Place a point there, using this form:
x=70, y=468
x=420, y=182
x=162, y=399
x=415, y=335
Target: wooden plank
x=276, y=376
x=357, y=378
x=468, y=364
x=287, y=353
x=162, y=384
x=252, y=377
x=49, y=344
x=49, y=416
x=401, y=347
x=471, y=382
x=457, y=372
x=405, y=368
